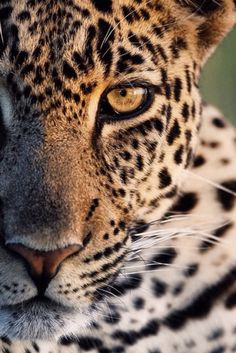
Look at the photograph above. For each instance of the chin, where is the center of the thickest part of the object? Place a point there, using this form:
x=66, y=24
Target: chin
x=43, y=320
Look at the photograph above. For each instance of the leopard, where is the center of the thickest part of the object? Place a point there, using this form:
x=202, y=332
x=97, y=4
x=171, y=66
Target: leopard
x=117, y=180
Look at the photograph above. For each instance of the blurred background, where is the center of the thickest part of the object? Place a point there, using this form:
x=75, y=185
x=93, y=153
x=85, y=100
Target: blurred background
x=218, y=81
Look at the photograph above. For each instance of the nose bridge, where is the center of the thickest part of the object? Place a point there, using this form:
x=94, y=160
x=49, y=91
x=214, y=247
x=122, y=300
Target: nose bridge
x=32, y=194
x=38, y=198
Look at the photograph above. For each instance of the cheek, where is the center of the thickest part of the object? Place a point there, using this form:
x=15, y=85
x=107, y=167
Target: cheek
x=146, y=158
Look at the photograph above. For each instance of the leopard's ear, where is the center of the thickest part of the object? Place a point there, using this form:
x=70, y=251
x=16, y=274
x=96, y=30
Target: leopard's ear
x=213, y=19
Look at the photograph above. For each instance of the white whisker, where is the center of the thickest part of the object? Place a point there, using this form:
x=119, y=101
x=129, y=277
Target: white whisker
x=210, y=182
x=1, y=34
x=154, y=263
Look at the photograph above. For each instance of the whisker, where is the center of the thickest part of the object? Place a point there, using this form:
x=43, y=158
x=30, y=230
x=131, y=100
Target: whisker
x=179, y=218
x=112, y=294
x=155, y=243
x=1, y=34
x=154, y=263
x=210, y=182
x=147, y=271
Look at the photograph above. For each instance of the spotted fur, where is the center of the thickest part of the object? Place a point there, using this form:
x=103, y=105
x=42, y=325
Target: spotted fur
x=150, y=200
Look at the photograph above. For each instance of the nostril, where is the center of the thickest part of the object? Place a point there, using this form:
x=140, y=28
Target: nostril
x=43, y=265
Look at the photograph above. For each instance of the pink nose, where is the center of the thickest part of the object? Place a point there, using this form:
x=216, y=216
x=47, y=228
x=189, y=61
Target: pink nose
x=43, y=266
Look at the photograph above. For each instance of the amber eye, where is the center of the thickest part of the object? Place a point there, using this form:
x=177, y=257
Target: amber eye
x=126, y=100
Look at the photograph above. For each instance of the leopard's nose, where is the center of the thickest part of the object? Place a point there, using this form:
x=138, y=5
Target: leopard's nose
x=43, y=265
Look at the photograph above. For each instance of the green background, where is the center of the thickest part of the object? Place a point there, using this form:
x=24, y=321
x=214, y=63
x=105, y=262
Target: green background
x=218, y=81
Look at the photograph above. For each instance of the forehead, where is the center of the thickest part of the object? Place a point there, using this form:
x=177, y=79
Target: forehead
x=86, y=46
x=59, y=27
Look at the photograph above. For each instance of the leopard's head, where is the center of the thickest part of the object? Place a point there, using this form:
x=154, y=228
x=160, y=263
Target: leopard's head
x=99, y=116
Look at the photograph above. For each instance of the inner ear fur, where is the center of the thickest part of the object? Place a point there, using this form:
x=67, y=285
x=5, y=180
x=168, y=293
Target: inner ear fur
x=213, y=20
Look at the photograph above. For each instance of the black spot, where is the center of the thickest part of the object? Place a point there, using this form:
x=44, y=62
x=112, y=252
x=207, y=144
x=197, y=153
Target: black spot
x=126, y=337
x=165, y=178
x=174, y=133
x=220, y=349
x=178, y=289
x=185, y=203
x=227, y=199
x=158, y=287
x=126, y=155
x=139, y=162
x=188, y=79
x=138, y=303
x=5, y=12
x=214, y=144
x=185, y=112
x=218, y=123
x=87, y=239
x=105, y=30
x=160, y=50
x=23, y=16
x=36, y=53
x=215, y=334
x=191, y=270
x=198, y=161
x=68, y=71
x=130, y=14
x=112, y=317
x=150, y=329
x=178, y=156
x=132, y=337
x=134, y=39
x=140, y=227
x=123, y=176
x=219, y=232
x=158, y=125
x=121, y=288
x=118, y=349
x=85, y=342
x=188, y=135
x=127, y=59
x=231, y=301
x=135, y=144
x=177, y=89
x=103, y=6
x=145, y=15
x=178, y=44
x=158, y=31
x=6, y=340
x=163, y=259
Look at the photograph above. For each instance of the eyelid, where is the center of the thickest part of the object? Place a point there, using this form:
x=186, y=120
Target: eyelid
x=131, y=84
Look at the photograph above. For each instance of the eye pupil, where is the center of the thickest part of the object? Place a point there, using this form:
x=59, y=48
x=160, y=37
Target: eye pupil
x=123, y=92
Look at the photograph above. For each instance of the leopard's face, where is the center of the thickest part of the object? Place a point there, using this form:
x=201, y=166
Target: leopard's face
x=99, y=118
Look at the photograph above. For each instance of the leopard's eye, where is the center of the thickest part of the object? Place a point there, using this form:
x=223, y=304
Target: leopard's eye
x=126, y=99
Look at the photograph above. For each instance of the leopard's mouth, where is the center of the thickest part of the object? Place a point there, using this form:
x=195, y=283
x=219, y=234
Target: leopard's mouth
x=42, y=318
